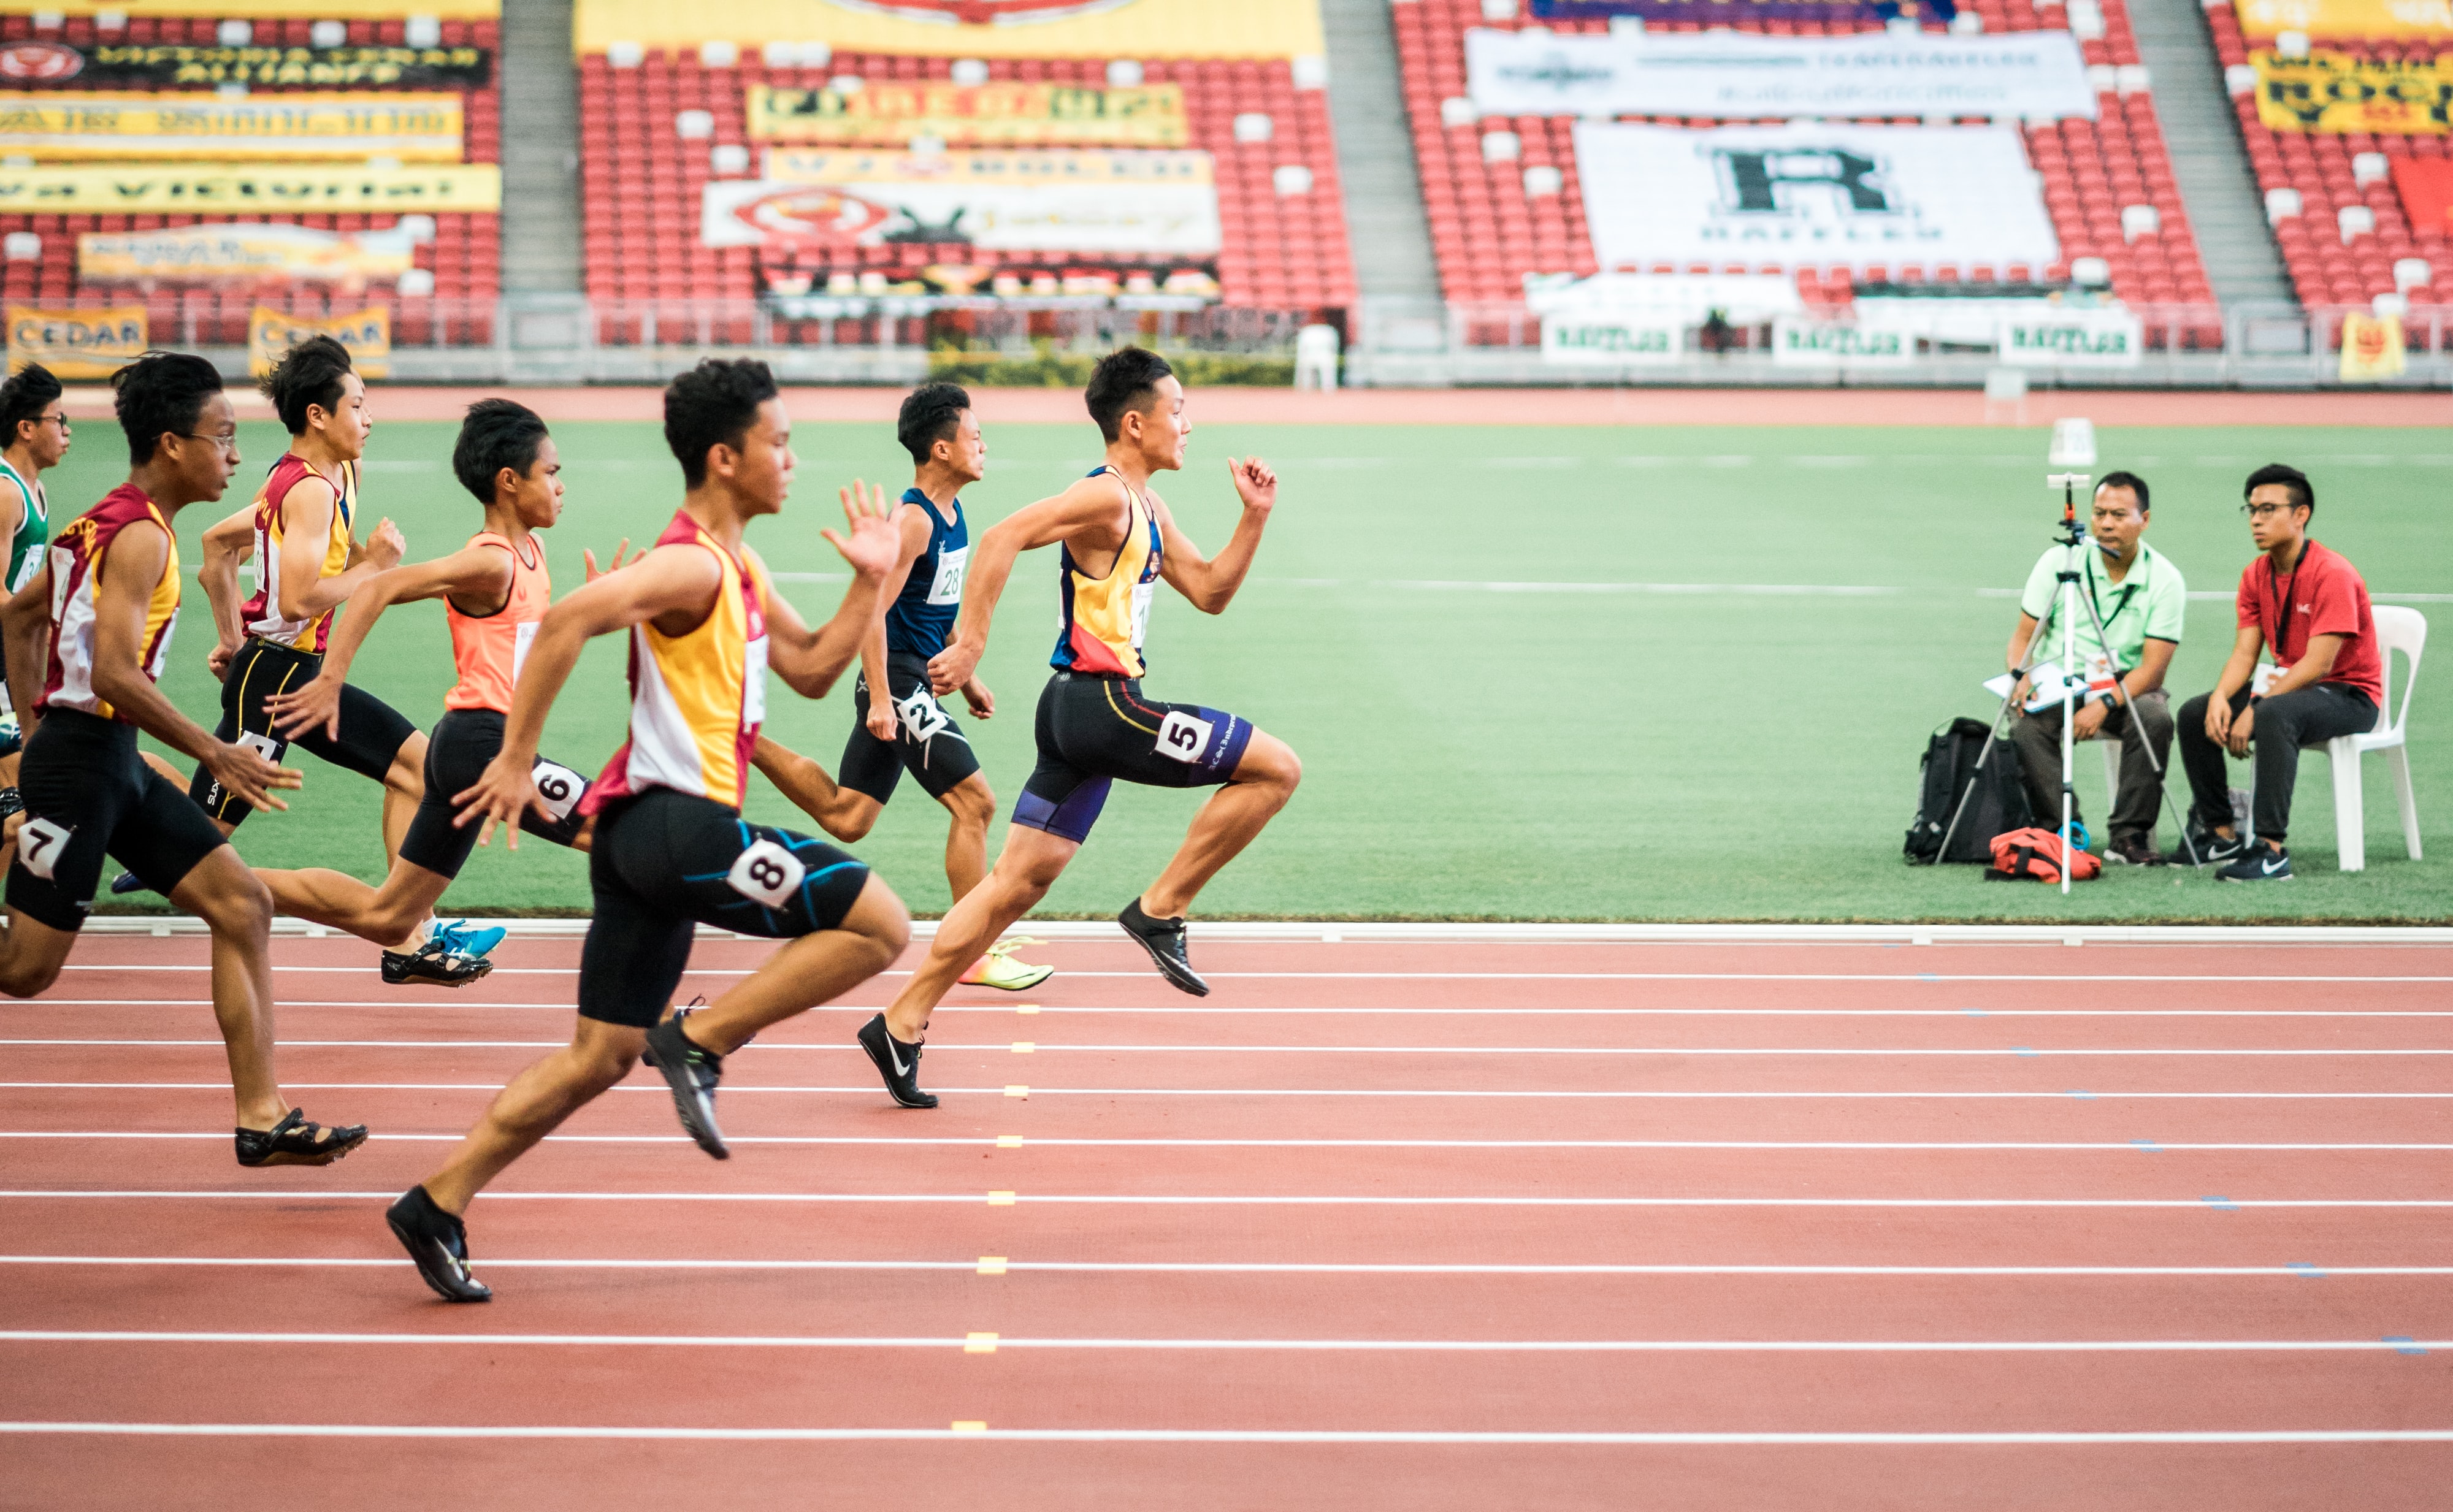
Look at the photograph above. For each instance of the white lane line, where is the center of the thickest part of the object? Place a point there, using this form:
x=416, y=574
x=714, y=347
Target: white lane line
x=1188, y=1200
x=421, y=1007
x=1843, y=590
x=2238, y=982
x=1037, y=1141
x=650, y=1084
x=1049, y=1047
x=1734, y=1346
x=1242, y=1268
x=1494, y=1438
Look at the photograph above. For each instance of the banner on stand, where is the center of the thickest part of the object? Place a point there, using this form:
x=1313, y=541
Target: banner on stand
x=211, y=189
x=1801, y=341
x=2348, y=20
x=2073, y=338
x=1160, y=204
x=1818, y=194
x=1602, y=339
x=2372, y=350
x=2334, y=91
x=977, y=115
x=56, y=124
x=76, y=342
x=969, y=29
x=367, y=334
x=170, y=66
x=259, y=252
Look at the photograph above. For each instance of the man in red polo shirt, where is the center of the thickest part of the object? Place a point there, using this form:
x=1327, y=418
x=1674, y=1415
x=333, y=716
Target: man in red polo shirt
x=2309, y=604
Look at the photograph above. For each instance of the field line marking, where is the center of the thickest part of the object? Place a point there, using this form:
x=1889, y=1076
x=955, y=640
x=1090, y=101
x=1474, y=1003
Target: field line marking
x=420, y=1007
x=1186, y=1199
x=1043, y=1046
x=1038, y=1142
x=1495, y=1437
x=638, y=1085
x=1888, y=980
x=1231, y=1267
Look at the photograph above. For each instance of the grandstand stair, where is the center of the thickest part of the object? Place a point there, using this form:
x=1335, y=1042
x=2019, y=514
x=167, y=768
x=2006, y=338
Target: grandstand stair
x=541, y=220
x=2209, y=163
x=1386, y=225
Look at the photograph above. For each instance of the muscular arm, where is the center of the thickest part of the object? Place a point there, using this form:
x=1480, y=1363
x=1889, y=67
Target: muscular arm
x=913, y=528
x=809, y=661
x=25, y=631
x=480, y=571
x=229, y=542
x=2311, y=669
x=306, y=533
x=1090, y=515
x=1209, y=583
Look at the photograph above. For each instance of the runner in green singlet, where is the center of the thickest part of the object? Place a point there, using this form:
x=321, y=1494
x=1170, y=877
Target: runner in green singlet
x=33, y=437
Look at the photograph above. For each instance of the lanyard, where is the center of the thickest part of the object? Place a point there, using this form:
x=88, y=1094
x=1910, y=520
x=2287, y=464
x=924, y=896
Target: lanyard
x=2282, y=611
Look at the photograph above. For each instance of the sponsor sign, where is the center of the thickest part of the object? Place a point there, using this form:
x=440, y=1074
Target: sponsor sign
x=2425, y=184
x=367, y=334
x=984, y=115
x=2342, y=91
x=248, y=187
x=94, y=125
x=1744, y=76
x=2371, y=20
x=167, y=65
x=976, y=28
x=1603, y=340
x=2076, y=338
x=1161, y=204
x=1807, y=195
x=2371, y=347
x=266, y=252
x=1800, y=341
x=76, y=342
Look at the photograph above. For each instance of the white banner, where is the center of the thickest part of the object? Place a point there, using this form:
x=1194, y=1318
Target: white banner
x=1741, y=75
x=2073, y=338
x=1163, y=202
x=1808, y=195
x=1803, y=341
x=1602, y=339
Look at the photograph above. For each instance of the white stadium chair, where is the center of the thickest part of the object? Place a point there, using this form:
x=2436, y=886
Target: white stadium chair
x=2398, y=629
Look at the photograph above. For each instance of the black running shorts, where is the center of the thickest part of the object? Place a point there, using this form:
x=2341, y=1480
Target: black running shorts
x=464, y=742
x=665, y=861
x=1094, y=731
x=88, y=795
x=927, y=741
x=372, y=730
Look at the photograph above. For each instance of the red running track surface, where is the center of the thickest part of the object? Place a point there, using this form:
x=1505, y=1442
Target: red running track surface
x=1427, y=1226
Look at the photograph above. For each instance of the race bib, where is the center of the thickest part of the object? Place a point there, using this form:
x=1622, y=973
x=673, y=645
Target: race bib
x=522, y=638
x=559, y=786
x=2267, y=674
x=39, y=844
x=922, y=719
x=753, y=684
x=765, y=873
x=1183, y=738
x=947, y=587
x=263, y=746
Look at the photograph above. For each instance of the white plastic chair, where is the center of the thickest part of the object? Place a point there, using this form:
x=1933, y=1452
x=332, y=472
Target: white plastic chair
x=2398, y=629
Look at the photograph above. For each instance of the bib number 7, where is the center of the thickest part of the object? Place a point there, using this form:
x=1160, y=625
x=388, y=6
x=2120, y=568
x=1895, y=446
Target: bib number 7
x=767, y=873
x=40, y=844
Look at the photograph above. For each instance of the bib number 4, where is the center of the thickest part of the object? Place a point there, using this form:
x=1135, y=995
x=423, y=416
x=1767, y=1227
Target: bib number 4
x=1183, y=738
x=767, y=873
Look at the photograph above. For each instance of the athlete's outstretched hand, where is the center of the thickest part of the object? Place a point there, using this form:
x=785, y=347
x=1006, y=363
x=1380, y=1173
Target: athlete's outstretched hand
x=245, y=774
x=504, y=791
x=875, y=546
x=983, y=702
x=615, y=565
x=1256, y=483
x=316, y=703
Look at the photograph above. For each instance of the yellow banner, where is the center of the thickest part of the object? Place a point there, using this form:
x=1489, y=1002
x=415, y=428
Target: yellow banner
x=2333, y=92
x=417, y=127
x=2372, y=20
x=277, y=253
x=268, y=9
x=2371, y=347
x=988, y=114
x=367, y=334
x=76, y=342
x=259, y=188
x=970, y=28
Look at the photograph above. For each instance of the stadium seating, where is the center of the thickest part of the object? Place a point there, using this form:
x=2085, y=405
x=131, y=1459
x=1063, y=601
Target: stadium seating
x=465, y=255
x=1488, y=233
x=643, y=179
x=2329, y=268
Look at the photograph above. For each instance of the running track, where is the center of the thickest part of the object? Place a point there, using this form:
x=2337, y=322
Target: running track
x=1375, y=1225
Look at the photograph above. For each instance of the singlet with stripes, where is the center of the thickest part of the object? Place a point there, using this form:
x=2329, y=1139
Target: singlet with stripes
x=263, y=611
x=1101, y=621
x=76, y=565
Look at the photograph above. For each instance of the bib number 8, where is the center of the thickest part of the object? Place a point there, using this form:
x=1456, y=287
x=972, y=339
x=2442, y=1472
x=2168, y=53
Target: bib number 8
x=767, y=873
x=1183, y=738
x=559, y=786
x=40, y=844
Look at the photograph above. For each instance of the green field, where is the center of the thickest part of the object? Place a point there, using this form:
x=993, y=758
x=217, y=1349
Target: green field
x=1465, y=633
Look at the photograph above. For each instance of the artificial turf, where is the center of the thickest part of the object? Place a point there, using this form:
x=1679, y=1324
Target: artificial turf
x=1533, y=672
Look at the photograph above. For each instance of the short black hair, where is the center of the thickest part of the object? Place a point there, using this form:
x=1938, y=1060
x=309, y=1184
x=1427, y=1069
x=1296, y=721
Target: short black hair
x=931, y=413
x=2126, y=480
x=497, y=433
x=1123, y=383
x=23, y=397
x=712, y=404
x=308, y=373
x=2303, y=496
x=161, y=393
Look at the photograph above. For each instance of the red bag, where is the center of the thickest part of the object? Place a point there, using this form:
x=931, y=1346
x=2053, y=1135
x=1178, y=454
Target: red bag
x=2037, y=853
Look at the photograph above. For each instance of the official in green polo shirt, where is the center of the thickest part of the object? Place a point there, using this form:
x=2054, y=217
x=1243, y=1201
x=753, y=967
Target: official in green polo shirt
x=2141, y=598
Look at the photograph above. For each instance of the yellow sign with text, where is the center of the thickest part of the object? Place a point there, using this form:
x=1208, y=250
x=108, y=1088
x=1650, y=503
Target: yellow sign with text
x=970, y=29
x=2372, y=350
x=2332, y=92
x=367, y=334
x=981, y=115
x=76, y=342
x=2367, y=20
x=58, y=125
x=268, y=9
x=258, y=188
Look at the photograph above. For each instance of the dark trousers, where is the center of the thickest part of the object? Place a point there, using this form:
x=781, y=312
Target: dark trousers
x=2139, y=794
x=2307, y=716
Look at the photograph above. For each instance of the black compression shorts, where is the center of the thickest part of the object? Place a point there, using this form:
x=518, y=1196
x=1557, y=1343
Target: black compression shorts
x=463, y=743
x=666, y=860
x=1094, y=731
x=372, y=730
x=88, y=795
x=926, y=738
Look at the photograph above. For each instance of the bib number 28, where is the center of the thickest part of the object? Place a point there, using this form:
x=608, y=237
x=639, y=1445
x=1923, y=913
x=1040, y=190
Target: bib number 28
x=767, y=873
x=1183, y=738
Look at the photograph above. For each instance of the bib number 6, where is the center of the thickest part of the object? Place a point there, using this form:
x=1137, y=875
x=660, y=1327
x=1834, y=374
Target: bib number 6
x=767, y=873
x=1183, y=738
x=39, y=846
x=559, y=786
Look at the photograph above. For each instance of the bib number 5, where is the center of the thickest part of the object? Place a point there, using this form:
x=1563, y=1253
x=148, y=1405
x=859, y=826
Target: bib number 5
x=767, y=873
x=1183, y=738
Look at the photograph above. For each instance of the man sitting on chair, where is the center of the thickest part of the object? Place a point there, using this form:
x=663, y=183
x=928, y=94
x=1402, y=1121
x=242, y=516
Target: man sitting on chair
x=2327, y=679
x=2140, y=597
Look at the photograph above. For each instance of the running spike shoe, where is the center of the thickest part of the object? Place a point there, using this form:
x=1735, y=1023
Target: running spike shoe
x=896, y=1062
x=1163, y=940
x=999, y=969
x=438, y=1242
x=692, y=1073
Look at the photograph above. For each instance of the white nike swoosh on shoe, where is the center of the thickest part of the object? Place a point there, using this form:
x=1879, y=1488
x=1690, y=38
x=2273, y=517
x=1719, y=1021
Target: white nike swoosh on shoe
x=2279, y=861
x=896, y=1055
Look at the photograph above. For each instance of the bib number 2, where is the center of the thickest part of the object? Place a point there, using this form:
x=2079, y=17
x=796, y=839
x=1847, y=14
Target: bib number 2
x=39, y=844
x=1183, y=738
x=767, y=873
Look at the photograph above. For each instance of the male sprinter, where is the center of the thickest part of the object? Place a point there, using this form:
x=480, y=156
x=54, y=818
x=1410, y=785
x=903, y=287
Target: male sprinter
x=1115, y=539
x=495, y=592
x=33, y=436
x=671, y=850
x=92, y=632
x=308, y=563
x=909, y=729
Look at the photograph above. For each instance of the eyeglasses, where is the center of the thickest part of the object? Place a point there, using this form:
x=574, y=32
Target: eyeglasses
x=228, y=443
x=2264, y=511
x=61, y=421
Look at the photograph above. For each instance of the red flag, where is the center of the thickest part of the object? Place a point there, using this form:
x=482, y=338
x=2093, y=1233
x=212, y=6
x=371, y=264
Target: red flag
x=2425, y=184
